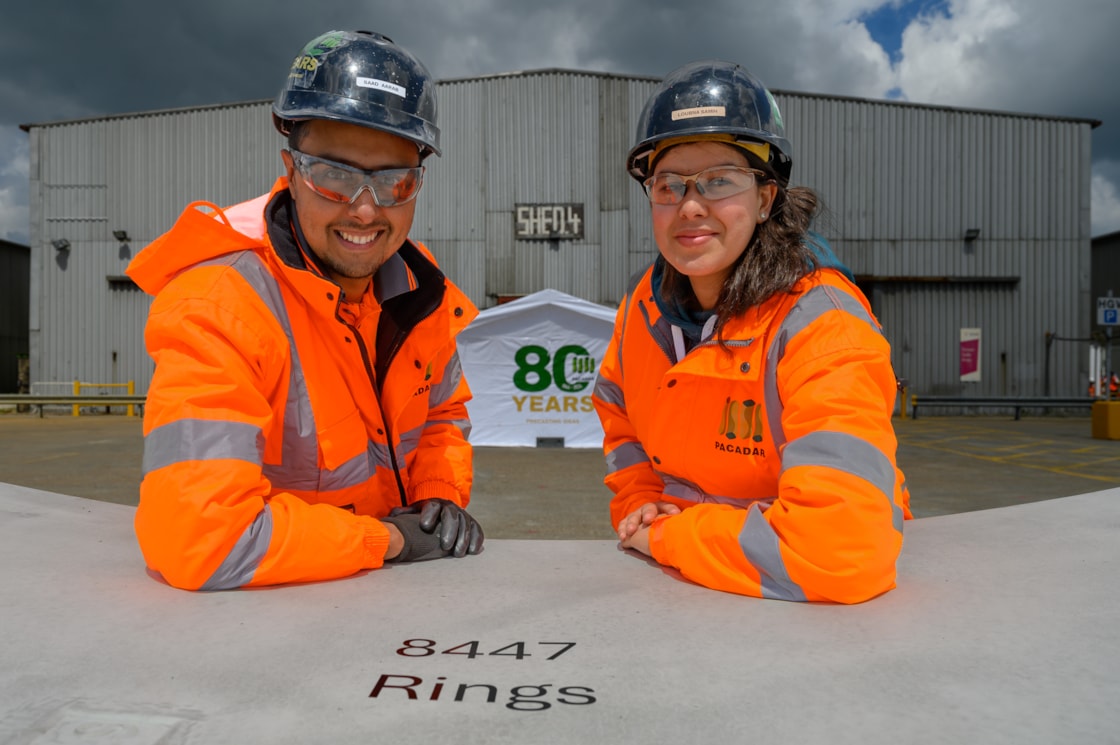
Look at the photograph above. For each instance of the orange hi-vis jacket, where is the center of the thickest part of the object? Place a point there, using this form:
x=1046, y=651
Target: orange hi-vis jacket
x=777, y=447
x=280, y=422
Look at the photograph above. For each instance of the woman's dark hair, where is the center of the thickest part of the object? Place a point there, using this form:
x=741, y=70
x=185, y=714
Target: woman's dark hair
x=776, y=257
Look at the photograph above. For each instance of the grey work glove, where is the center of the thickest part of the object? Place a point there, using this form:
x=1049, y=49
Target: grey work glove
x=419, y=544
x=459, y=533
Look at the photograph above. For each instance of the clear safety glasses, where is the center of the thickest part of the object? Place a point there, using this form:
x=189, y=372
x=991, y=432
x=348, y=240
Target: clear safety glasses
x=718, y=182
x=342, y=183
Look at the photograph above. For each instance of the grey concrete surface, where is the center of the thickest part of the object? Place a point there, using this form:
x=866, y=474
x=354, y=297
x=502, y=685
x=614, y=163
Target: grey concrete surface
x=1002, y=631
x=952, y=464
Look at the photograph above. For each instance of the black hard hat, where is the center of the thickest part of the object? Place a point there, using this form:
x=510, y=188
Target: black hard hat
x=362, y=78
x=709, y=98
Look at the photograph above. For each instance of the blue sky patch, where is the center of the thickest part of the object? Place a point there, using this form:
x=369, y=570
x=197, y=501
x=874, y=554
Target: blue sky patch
x=887, y=22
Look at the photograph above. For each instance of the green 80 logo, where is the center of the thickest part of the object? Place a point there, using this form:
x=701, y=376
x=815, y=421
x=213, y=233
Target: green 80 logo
x=572, y=369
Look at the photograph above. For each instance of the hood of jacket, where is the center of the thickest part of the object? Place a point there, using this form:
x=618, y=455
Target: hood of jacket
x=203, y=231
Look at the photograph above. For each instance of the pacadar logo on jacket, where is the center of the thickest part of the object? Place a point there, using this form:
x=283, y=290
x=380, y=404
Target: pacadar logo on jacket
x=740, y=428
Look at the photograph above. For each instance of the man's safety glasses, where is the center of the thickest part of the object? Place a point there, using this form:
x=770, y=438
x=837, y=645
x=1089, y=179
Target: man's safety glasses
x=342, y=183
x=718, y=182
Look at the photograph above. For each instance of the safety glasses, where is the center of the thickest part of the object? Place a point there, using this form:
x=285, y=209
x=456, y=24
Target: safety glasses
x=718, y=182
x=342, y=183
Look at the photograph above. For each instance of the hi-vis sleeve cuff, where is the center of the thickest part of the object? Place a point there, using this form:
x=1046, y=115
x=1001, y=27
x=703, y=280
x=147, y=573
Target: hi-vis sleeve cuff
x=376, y=542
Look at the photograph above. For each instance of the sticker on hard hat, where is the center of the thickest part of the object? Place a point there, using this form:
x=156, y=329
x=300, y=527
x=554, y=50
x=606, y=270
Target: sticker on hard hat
x=699, y=111
x=774, y=108
x=305, y=63
x=381, y=85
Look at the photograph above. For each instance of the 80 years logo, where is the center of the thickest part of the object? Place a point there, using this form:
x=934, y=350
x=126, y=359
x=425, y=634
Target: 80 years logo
x=571, y=369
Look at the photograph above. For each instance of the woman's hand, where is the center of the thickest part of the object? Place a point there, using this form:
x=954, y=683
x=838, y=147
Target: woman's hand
x=639, y=541
x=640, y=520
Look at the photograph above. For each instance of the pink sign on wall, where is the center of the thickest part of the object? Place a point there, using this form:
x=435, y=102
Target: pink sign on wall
x=970, y=355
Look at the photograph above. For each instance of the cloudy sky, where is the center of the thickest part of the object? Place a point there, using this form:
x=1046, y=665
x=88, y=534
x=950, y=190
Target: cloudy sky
x=69, y=59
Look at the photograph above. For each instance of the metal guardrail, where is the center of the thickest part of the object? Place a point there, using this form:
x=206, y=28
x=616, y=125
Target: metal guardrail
x=1018, y=403
x=24, y=399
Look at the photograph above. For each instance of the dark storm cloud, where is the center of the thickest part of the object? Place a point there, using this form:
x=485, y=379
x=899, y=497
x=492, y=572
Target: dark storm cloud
x=99, y=58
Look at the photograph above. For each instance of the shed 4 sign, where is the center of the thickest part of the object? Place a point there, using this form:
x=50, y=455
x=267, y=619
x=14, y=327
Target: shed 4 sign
x=548, y=221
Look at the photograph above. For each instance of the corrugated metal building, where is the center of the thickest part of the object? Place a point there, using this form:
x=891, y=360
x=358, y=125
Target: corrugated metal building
x=15, y=277
x=951, y=219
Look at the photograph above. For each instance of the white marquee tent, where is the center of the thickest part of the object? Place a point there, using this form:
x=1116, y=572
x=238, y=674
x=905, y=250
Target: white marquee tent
x=531, y=365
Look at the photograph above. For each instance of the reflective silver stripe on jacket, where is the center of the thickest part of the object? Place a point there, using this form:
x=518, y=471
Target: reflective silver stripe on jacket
x=625, y=455
x=761, y=546
x=300, y=447
x=841, y=451
x=808, y=308
x=299, y=460
x=661, y=331
x=609, y=392
x=196, y=439
x=201, y=439
x=445, y=388
x=845, y=452
x=684, y=489
x=409, y=441
x=245, y=556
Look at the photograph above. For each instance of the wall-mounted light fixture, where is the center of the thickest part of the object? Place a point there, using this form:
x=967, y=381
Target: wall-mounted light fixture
x=971, y=234
x=61, y=244
x=121, y=235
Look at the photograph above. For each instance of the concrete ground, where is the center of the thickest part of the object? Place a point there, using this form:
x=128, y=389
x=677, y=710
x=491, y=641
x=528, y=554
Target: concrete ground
x=952, y=464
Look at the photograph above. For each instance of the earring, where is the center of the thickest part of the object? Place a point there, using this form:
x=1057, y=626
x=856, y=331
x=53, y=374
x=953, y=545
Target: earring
x=762, y=215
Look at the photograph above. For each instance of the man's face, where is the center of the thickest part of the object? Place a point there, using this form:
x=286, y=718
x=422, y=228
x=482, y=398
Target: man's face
x=351, y=239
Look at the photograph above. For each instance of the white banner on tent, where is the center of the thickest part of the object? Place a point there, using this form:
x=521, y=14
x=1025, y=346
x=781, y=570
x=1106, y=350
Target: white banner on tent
x=531, y=365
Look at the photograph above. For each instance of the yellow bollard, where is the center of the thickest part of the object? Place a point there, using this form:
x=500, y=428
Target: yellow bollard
x=77, y=392
x=131, y=392
x=1105, y=421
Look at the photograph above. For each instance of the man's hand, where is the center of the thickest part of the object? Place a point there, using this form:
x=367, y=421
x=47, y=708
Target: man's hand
x=459, y=533
x=416, y=544
x=396, y=541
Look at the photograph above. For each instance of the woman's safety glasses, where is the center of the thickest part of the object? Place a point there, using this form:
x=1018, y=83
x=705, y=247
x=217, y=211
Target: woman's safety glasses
x=718, y=182
x=342, y=183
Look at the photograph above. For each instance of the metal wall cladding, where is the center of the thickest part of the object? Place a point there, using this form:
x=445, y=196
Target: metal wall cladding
x=134, y=174
x=91, y=324
x=535, y=138
x=892, y=171
x=1021, y=292
x=901, y=185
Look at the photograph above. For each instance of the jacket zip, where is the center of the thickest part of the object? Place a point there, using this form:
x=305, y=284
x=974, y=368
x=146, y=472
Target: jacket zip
x=384, y=420
x=398, y=340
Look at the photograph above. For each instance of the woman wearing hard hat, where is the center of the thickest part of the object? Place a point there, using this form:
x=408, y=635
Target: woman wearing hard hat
x=747, y=393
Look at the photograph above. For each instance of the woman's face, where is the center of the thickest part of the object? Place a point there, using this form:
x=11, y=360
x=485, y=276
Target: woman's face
x=702, y=238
